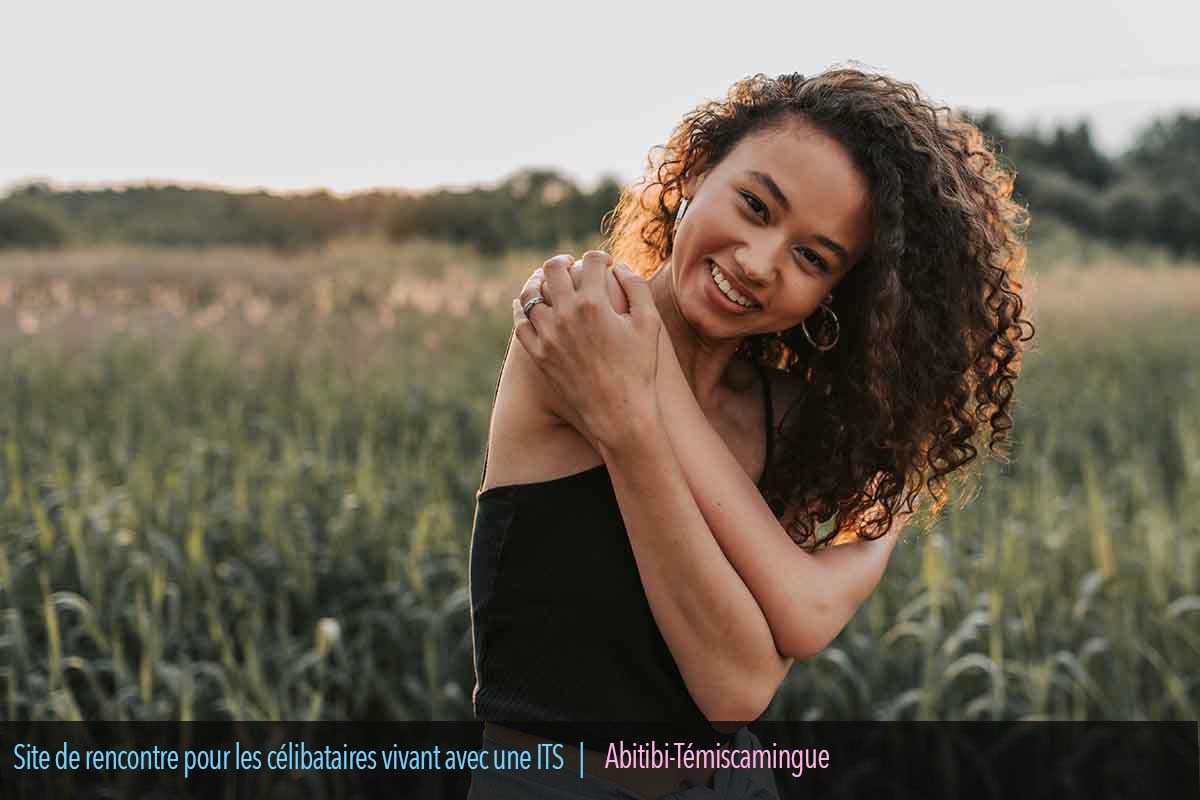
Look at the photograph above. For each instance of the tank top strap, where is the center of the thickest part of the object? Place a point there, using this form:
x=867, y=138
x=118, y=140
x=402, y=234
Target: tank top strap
x=770, y=419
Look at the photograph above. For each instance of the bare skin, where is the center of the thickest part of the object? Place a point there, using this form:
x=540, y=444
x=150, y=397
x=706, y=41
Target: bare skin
x=749, y=455
x=600, y=397
x=772, y=251
x=527, y=444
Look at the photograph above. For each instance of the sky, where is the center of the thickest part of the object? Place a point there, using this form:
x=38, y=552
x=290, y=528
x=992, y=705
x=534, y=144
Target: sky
x=349, y=96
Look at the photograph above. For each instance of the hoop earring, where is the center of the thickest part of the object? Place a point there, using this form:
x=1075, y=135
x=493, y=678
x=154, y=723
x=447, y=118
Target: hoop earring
x=837, y=330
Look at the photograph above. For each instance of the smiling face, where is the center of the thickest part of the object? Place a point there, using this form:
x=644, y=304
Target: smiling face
x=784, y=216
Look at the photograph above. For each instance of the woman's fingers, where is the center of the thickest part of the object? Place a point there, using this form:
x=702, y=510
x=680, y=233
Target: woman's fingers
x=524, y=331
x=566, y=258
x=592, y=271
x=532, y=287
x=637, y=290
x=589, y=273
x=557, y=284
x=535, y=285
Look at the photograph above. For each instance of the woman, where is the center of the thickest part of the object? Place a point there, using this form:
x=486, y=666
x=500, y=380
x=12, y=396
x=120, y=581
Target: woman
x=823, y=322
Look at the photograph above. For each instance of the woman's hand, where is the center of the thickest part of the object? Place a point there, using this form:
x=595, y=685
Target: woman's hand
x=616, y=295
x=601, y=362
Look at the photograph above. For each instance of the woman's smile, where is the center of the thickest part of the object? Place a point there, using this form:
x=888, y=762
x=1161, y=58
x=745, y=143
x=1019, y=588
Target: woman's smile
x=722, y=301
x=733, y=288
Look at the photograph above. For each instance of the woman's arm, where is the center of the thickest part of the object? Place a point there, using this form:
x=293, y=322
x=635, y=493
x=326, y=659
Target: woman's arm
x=807, y=598
x=710, y=620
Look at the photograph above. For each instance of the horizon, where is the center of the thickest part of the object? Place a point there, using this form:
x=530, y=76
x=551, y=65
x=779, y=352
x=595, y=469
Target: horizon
x=1112, y=139
x=299, y=100
x=1040, y=126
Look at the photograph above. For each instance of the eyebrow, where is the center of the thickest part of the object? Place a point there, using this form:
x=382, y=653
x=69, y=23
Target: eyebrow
x=772, y=187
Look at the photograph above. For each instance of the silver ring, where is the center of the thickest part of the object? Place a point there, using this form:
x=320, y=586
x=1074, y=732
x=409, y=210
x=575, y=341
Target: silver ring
x=537, y=298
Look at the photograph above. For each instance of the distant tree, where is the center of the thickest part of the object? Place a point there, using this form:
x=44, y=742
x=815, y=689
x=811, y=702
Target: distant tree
x=1070, y=151
x=1055, y=192
x=1074, y=152
x=24, y=224
x=603, y=199
x=32, y=189
x=1167, y=154
x=532, y=208
x=1177, y=221
x=1129, y=211
x=1168, y=149
x=179, y=216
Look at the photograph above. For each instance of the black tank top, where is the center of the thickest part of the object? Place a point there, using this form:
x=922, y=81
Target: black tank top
x=561, y=627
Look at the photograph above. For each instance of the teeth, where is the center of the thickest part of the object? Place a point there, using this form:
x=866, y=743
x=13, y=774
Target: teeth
x=729, y=291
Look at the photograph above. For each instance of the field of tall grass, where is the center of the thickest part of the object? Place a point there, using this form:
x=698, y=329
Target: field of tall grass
x=242, y=485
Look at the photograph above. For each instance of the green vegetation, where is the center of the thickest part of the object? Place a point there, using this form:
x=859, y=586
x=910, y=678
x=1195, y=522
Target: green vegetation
x=175, y=216
x=1070, y=587
x=1150, y=194
x=532, y=208
x=234, y=484
x=26, y=225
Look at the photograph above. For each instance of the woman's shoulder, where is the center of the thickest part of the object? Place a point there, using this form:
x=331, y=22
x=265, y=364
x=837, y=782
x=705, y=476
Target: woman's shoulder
x=528, y=439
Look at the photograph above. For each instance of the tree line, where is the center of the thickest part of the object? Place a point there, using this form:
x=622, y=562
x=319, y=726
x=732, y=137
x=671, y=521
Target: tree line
x=1150, y=193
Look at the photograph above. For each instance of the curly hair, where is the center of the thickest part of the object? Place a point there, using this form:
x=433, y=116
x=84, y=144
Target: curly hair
x=931, y=327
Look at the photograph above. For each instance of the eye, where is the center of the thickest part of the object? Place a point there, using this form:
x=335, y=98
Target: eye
x=808, y=253
x=815, y=259
x=756, y=205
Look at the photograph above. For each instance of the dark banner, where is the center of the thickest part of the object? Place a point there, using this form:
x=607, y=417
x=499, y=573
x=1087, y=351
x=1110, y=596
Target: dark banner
x=439, y=759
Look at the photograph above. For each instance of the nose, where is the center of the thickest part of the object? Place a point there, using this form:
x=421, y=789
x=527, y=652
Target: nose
x=755, y=263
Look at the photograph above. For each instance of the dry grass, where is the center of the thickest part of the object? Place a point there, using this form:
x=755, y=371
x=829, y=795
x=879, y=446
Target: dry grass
x=1111, y=292
x=86, y=294
x=357, y=292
